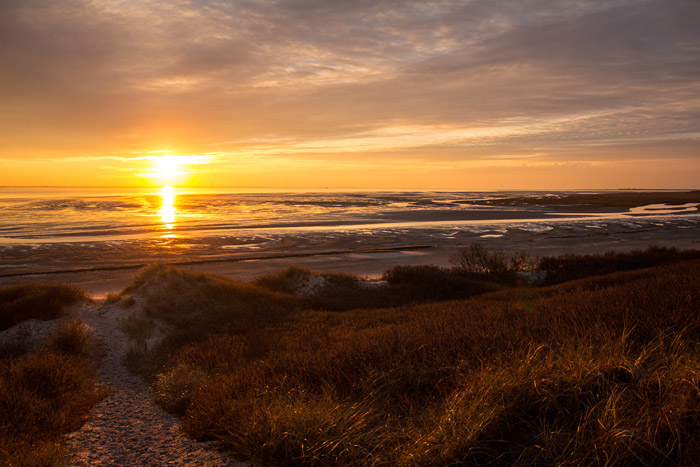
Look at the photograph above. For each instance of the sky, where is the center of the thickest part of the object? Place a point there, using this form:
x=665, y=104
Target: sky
x=383, y=94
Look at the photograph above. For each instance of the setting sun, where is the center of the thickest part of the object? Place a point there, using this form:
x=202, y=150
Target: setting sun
x=167, y=169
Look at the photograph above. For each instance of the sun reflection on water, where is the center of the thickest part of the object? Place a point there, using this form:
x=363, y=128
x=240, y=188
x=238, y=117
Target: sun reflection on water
x=167, y=209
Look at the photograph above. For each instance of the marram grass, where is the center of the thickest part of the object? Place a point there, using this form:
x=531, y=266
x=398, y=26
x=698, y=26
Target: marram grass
x=603, y=370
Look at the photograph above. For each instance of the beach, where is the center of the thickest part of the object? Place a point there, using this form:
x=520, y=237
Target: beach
x=98, y=240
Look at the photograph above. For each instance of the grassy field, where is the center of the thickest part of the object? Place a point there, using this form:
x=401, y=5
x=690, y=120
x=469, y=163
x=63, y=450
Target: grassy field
x=47, y=392
x=603, y=369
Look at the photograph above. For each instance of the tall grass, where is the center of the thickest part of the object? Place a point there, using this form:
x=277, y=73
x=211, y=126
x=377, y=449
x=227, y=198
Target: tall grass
x=191, y=300
x=187, y=307
x=36, y=301
x=603, y=370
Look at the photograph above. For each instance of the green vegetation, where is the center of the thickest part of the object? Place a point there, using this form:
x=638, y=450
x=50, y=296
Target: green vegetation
x=44, y=395
x=36, y=301
x=601, y=370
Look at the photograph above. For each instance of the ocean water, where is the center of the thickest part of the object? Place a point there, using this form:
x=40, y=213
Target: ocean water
x=49, y=215
x=59, y=228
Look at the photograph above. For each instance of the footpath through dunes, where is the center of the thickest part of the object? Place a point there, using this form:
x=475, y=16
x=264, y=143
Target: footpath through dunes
x=127, y=428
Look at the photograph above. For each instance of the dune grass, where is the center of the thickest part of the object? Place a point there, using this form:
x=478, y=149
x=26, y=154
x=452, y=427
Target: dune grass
x=186, y=306
x=44, y=395
x=602, y=370
x=198, y=302
x=404, y=285
x=36, y=301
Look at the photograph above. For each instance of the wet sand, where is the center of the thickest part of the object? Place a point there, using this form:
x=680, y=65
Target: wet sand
x=364, y=253
x=359, y=239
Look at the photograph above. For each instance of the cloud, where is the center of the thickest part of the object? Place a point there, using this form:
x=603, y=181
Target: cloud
x=82, y=78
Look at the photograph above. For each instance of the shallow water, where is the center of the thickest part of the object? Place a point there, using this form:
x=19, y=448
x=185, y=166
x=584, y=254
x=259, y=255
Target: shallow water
x=64, y=228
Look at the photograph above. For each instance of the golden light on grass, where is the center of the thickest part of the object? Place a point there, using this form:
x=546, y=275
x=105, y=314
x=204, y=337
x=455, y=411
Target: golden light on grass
x=605, y=352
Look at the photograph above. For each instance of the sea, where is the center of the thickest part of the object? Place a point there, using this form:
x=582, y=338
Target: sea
x=45, y=229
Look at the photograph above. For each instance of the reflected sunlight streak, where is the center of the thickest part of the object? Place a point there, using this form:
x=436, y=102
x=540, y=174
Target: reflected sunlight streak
x=167, y=209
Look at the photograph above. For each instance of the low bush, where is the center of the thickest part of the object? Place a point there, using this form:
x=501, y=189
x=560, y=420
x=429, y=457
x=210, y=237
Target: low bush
x=432, y=283
x=329, y=291
x=405, y=285
x=44, y=395
x=568, y=267
x=495, y=265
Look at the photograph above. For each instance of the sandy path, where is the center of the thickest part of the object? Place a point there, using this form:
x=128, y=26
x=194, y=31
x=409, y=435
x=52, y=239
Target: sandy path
x=127, y=428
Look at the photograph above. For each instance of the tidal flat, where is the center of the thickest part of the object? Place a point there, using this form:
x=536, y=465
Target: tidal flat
x=98, y=239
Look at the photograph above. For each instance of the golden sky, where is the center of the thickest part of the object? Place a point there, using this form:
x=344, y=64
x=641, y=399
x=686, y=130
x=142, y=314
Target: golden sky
x=480, y=94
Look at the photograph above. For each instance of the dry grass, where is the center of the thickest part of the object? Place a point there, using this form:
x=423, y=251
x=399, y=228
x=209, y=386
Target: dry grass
x=322, y=291
x=405, y=285
x=44, y=395
x=192, y=305
x=36, y=301
x=137, y=326
x=286, y=281
x=602, y=370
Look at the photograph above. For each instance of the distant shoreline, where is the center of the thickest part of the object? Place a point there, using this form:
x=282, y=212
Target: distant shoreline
x=351, y=189
x=363, y=234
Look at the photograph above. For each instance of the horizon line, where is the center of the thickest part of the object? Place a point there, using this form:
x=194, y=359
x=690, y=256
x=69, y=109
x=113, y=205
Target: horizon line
x=352, y=188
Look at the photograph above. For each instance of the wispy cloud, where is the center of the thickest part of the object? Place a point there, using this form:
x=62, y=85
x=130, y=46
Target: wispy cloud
x=337, y=80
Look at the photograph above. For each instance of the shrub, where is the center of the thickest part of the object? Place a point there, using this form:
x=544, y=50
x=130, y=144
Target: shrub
x=425, y=283
x=569, y=267
x=43, y=396
x=71, y=338
x=496, y=264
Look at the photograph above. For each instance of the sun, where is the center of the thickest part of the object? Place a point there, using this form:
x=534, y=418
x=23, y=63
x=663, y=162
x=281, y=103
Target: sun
x=167, y=168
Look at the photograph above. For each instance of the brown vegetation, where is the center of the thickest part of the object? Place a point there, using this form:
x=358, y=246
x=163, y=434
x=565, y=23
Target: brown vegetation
x=603, y=370
x=568, y=267
x=404, y=285
x=44, y=395
x=36, y=301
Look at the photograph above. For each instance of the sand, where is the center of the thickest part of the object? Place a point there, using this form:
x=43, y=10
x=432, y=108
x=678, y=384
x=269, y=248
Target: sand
x=364, y=253
x=127, y=428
